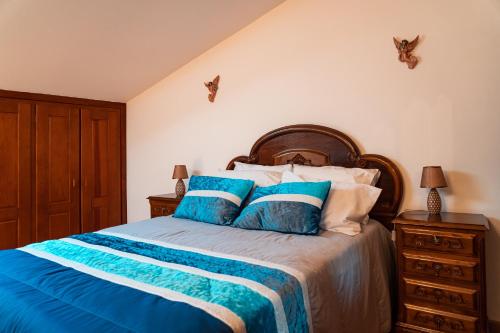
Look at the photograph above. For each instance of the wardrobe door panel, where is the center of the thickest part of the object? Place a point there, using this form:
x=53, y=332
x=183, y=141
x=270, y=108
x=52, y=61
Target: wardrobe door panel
x=101, y=169
x=15, y=173
x=57, y=171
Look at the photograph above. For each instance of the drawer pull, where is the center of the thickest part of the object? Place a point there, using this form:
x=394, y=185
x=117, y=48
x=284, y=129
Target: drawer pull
x=436, y=239
x=438, y=294
x=438, y=321
x=437, y=268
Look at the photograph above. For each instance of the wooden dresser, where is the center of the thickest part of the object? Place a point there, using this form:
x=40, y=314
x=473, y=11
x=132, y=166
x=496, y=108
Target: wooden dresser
x=163, y=204
x=441, y=272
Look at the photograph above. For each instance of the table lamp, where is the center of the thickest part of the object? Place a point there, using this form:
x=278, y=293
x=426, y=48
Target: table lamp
x=180, y=173
x=433, y=177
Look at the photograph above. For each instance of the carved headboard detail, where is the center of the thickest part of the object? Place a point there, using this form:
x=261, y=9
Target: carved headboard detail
x=318, y=146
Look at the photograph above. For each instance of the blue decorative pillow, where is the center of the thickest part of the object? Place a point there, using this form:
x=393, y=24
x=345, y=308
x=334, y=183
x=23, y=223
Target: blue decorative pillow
x=213, y=199
x=289, y=207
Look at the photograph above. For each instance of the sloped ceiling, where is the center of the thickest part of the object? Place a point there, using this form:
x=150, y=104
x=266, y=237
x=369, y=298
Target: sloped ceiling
x=110, y=49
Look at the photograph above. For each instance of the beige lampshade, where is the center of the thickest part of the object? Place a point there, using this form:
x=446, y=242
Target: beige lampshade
x=433, y=177
x=180, y=172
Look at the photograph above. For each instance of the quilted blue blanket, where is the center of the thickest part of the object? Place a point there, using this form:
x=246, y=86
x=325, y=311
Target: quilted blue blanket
x=111, y=282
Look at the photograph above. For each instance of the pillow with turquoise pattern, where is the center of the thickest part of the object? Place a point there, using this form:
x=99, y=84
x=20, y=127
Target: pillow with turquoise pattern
x=289, y=208
x=213, y=200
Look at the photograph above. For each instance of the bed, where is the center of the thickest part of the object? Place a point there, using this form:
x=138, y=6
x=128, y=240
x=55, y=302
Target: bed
x=175, y=275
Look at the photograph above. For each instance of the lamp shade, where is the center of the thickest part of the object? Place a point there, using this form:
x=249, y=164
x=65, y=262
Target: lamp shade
x=433, y=177
x=180, y=172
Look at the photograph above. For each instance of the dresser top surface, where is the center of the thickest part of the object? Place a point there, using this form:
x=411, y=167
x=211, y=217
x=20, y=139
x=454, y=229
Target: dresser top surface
x=444, y=220
x=165, y=197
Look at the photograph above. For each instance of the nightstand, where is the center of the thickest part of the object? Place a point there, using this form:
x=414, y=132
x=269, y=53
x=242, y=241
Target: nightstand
x=441, y=272
x=163, y=204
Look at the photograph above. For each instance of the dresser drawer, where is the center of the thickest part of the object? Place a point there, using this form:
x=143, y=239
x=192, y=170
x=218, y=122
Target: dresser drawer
x=440, y=294
x=435, y=266
x=163, y=204
x=162, y=210
x=439, y=320
x=437, y=240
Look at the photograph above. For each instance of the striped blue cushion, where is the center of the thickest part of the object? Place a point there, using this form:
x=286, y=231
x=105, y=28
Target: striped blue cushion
x=213, y=199
x=289, y=207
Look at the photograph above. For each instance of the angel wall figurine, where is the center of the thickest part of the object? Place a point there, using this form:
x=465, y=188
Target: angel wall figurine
x=404, y=49
x=213, y=86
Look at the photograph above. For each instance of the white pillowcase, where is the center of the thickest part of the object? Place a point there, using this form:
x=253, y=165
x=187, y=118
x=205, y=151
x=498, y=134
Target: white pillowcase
x=261, y=178
x=239, y=166
x=347, y=205
x=339, y=174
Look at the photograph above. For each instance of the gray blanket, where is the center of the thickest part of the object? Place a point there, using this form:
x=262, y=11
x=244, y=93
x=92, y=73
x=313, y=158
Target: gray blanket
x=348, y=278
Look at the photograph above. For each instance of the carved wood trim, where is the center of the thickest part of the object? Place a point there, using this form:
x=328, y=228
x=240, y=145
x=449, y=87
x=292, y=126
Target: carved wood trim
x=440, y=320
x=441, y=267
x=320, y=145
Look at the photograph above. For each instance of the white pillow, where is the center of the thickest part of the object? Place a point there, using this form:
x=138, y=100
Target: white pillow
x=339, y=174
x=347, y=205
x=239, y=166
x=261, y=178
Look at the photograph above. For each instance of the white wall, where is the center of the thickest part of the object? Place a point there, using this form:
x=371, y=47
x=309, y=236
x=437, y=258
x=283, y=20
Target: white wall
x=334, y=63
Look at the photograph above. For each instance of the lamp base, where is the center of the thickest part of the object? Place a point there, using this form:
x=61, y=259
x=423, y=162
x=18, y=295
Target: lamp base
x=434, y=202
x=180, y=188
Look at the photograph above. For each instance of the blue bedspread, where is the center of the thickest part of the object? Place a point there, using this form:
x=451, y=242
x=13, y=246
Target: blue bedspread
x=105, y=282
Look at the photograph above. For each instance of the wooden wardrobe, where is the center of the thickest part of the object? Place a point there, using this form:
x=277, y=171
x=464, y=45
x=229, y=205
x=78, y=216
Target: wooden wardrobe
x=62, y=167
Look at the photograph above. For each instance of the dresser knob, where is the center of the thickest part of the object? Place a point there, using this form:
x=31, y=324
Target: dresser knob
x=436, y=240
x=438, y=294
x=438, y=321
x=437, y=268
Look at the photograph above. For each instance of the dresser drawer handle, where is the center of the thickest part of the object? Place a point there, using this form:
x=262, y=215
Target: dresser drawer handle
x=438, y=294
x=436, y=240
x=437, y=268
x=438, y=321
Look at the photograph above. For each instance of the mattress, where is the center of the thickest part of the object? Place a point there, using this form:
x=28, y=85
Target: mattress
x=176, y=275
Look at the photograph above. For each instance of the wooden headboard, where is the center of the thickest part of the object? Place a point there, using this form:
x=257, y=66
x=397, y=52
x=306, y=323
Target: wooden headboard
x=318, y=146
